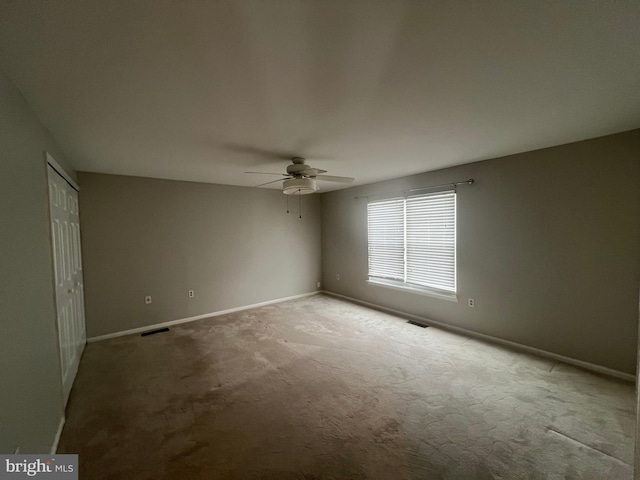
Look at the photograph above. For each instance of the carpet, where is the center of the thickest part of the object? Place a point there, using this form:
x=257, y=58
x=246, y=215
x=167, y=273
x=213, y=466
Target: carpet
x=320, y=388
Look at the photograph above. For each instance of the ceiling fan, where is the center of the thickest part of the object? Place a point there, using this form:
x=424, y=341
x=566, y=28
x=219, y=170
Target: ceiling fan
x=300, y=178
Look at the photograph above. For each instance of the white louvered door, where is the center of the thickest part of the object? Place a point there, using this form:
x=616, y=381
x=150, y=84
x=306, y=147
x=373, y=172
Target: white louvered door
x=65, y=234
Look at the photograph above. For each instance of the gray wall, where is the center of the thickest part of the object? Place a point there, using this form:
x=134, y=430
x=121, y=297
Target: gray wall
x=548, y=246
x=31, y=399
x=234, y=246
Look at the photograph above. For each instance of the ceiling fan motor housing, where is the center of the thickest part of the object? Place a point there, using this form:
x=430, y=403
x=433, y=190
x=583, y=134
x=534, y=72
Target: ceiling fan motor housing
x=299, y=186
x=295, y=169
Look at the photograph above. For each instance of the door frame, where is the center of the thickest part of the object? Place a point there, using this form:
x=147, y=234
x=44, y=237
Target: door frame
x=58, y=168
x=636, y=460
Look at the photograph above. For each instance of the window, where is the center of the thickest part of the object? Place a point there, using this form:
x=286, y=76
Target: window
x=412, y=242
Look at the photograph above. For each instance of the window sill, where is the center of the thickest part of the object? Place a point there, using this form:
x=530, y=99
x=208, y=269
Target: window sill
x=449, y=297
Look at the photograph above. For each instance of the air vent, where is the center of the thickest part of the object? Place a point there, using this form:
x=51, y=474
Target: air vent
x=417, y=324
x=153, y=332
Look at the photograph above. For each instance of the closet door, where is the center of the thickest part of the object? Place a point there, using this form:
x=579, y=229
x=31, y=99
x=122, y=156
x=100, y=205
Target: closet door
x=65, y=230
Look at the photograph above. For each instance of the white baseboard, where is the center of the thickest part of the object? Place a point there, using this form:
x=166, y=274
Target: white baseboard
x=197, y=317
x=518, y=346
x=56, y=440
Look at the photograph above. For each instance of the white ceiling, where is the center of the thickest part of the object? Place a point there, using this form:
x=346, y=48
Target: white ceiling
x=204, y=90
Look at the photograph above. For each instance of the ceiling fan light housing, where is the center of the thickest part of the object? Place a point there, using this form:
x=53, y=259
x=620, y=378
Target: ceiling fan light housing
x=299, y=186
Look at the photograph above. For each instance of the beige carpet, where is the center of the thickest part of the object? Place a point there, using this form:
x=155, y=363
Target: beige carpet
x=319, y=388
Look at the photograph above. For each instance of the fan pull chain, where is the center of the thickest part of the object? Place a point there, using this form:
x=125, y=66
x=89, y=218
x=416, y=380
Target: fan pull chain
x=299, y=203
x=287, y=203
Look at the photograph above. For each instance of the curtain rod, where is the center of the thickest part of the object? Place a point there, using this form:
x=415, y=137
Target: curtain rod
x=454, y=184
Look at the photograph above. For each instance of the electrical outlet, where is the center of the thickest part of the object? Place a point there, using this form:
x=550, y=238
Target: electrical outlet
x=147, y=299
x=471, y=302
x=337, y=276
x=191, y=294
x=318, y=285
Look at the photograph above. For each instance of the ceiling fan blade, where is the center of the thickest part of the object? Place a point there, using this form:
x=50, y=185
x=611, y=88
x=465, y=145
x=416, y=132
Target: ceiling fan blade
x=269, y=173
x=311, y=172
x=332, y=178
x=272, y=181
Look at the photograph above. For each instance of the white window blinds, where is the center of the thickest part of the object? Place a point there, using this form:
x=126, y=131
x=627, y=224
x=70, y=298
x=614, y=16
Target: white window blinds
x=431, y=241
x=385, y=221
x=413, y=240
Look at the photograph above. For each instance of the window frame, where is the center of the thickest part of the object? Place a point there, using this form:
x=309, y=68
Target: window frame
x=403, y=285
